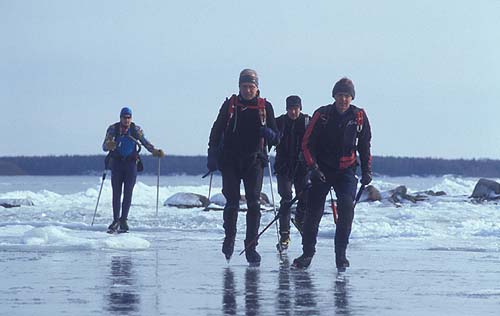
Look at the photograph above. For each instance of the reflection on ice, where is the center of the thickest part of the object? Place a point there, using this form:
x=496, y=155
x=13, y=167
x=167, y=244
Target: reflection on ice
x=122, y=299
x=252, y=293
x=283, y=306
x=305, y=292
x=341, y=295
x=229, y=293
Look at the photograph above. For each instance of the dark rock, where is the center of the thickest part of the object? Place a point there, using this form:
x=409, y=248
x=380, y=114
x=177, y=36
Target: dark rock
x=486, y=189
x=8, y=203
x=370, y=194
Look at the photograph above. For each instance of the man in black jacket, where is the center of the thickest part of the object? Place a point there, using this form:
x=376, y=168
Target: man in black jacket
x=238, y=144
x=290, y=167
x=330, y=143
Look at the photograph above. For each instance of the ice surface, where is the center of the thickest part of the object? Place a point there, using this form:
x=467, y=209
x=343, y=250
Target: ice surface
x=438, y=257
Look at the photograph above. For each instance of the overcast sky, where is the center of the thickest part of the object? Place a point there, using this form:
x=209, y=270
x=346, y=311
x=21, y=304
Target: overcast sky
x=426, y=72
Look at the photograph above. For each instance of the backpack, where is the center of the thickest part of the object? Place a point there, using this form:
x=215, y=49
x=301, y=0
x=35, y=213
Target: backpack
x=346, y=161
x=134, y=136
x=233, y=103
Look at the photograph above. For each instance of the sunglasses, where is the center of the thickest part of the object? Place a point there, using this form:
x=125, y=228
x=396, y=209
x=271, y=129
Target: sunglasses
x=127, y=117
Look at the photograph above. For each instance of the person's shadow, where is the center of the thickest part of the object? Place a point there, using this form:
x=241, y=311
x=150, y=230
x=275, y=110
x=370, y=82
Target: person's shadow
x=123, y=298
x=341, y=295
x=305, y=292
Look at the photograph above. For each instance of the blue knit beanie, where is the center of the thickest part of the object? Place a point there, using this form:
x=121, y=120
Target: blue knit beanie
x=125, y=112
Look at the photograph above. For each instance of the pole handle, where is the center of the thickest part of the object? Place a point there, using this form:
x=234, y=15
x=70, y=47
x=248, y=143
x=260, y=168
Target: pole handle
x=158, y=187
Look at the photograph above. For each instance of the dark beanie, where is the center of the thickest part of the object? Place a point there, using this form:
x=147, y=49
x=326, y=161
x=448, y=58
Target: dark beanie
x=293, y=100
x=249, y=76
x=344, y=85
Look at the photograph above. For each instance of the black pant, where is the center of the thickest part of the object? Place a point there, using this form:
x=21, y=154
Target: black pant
x=123, y=176
x=251, y=171
x=285, y=183
x=344, y=184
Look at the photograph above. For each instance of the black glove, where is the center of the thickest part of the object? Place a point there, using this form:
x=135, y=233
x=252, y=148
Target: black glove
x=366, y=177
x=316, y=173
x=270, y=135
x=212, y=159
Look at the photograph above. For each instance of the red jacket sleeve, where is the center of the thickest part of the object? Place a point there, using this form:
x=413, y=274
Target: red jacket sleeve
x=309, y=140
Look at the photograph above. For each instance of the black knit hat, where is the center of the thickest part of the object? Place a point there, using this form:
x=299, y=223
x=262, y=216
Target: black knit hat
x=249, y=76
x=344, y=85
x=293, y=100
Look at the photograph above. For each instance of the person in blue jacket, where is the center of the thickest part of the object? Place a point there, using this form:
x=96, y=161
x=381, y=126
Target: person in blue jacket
x=122, y=141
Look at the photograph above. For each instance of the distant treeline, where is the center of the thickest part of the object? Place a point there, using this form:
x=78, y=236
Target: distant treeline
x=196, y=165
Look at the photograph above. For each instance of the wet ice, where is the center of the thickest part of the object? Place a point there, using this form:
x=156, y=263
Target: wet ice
x=432, y=258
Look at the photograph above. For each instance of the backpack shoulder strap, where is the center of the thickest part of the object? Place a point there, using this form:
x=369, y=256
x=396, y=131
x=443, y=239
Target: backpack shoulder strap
x=232, y=104
x=261, y=103
x=133, y=131
x=324, y=113
x=359, y=119
x=261, y=106
x=117, y=129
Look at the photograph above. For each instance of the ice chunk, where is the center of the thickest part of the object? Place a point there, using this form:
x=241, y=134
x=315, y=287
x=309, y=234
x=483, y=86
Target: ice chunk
x=187, y=200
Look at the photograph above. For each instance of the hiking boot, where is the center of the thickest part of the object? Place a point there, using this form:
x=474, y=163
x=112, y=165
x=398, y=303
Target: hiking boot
x=253, y=257
x=302, y=262
x=284, y=241
x=123, y=226
x=114, y=226
x=340, y=259
x=228, y=247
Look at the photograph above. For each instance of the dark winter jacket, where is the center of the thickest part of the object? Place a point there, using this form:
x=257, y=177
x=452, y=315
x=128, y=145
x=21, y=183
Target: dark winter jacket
x=288, y=151
x=330, y=139
x=237, y=132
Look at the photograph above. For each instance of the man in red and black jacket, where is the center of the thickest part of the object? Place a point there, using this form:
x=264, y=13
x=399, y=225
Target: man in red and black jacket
x=239, y=139
x=335, y=133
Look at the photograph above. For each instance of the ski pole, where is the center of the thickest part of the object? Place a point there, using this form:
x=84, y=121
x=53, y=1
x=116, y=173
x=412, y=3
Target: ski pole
x=206, y=174
x=272, y=199
x=158, y=186
x=99, y=196
x=358, y=196
x=210, y=187
x=334, y=207
x=264, y=147
x=276, y=217
x=106, y=166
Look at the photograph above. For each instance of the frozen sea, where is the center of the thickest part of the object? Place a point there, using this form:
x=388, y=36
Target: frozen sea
x=437, y=257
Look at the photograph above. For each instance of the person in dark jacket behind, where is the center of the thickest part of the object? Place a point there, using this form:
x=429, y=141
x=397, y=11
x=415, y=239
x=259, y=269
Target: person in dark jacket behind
x=238, y=144
x=290, y=167
x=330, y=143
x=121, y=140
